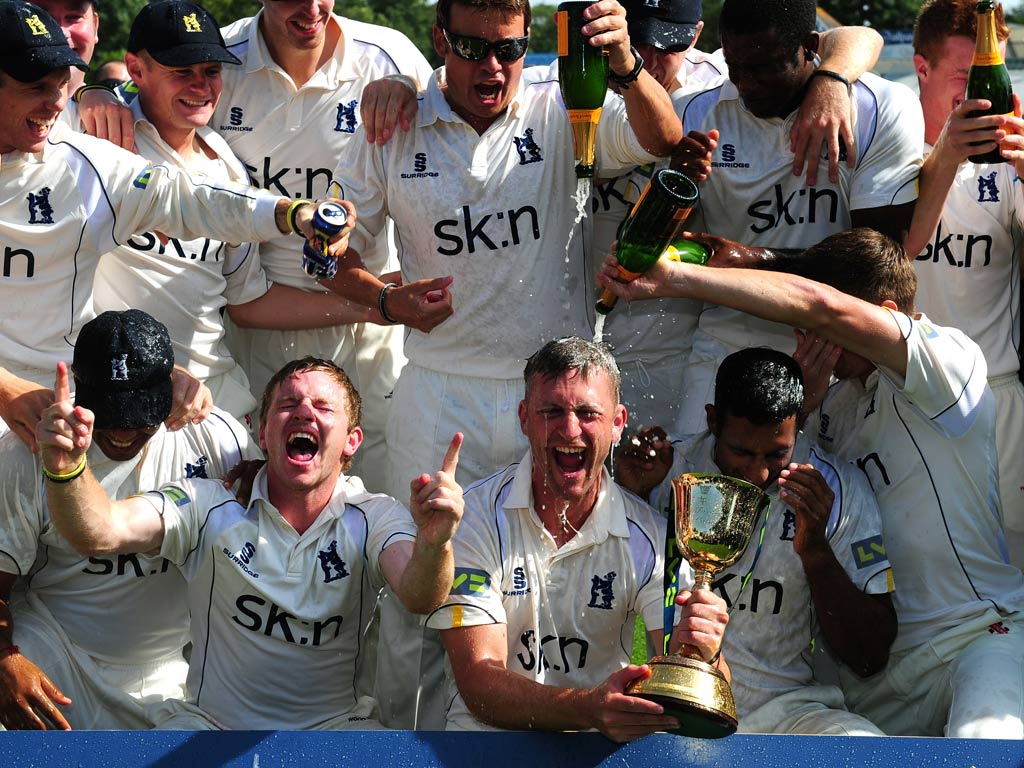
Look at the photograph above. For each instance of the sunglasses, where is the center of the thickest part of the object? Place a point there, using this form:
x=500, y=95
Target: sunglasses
x=477, y=49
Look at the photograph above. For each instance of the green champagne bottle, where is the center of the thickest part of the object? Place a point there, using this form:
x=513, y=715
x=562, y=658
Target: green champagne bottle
x=988, y=78
x=651, y=227
x=583, y=80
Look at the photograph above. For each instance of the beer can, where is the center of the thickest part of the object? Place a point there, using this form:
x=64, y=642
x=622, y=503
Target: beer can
x=328, y=220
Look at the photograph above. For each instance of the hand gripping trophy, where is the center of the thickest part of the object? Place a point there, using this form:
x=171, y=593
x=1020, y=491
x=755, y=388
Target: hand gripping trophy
x=715, y=516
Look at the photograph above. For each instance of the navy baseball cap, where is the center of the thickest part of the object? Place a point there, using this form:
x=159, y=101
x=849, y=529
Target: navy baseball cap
x=669, y=25
x=32, y=44
x=177, y=33
x=122, y=368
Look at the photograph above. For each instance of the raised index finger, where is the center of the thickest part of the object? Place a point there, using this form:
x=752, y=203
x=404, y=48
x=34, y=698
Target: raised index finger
x=61, y=385
x=451, y=457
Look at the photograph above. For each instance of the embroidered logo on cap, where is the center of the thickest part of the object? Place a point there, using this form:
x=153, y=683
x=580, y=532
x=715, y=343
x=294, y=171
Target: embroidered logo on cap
x=119, y=368
x=36, y=25
x=192, y=23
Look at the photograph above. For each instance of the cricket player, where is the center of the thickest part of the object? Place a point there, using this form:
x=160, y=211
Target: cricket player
x=914, y=412
x=553, y=564
x=90, y=643
x=285, y=584
x=815, y=564
x=69, y=198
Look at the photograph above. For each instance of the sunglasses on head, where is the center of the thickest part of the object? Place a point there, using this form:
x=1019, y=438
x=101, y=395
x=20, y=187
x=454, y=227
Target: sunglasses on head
x=477, y=49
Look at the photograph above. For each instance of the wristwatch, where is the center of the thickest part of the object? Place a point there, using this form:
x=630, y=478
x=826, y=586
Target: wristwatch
x=623, y=81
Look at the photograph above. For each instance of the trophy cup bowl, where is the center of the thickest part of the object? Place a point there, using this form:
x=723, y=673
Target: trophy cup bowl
x=715, y=516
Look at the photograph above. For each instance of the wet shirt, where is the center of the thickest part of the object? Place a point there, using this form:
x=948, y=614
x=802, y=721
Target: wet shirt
x=570, y=610
x=77, y=199
x=501, y=212
x=278, y=617
x=772, y=619
x=926, y=443
x=125, y=609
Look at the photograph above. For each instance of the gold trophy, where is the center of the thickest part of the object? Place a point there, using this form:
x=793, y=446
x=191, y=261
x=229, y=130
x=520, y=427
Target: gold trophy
x=715, y=516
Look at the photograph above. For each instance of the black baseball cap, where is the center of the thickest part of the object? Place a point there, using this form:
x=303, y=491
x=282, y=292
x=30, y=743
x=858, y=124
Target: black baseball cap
x=122, y=368
x=32, y=44
x=668, y=25
x=178, y=34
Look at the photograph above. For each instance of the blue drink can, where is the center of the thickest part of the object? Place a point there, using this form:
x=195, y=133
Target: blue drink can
x=328, y=220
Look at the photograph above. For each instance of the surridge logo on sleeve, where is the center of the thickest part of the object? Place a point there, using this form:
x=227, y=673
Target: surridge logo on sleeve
x=528, y=149
x=601, y=593
x=39, y=209
x=331, y=563
x=346, y=122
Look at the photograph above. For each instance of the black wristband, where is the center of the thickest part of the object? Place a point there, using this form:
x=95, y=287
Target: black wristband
x=380, y=303
x=623, y=81
x=714, y=659
x=819, y=72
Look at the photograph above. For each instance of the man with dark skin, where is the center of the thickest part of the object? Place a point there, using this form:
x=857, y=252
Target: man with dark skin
x=803, y=553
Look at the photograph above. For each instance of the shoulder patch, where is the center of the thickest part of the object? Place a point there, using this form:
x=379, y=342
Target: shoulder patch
x=142, y=180
x=869, y=551
x=470, y=581
x=175, y=494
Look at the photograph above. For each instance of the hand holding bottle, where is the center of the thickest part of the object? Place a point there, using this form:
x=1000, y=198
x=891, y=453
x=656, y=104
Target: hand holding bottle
x=651, y=227
x=988, y=78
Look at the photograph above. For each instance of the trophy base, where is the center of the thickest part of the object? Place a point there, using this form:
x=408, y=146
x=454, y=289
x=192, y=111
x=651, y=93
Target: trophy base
x=692, y=691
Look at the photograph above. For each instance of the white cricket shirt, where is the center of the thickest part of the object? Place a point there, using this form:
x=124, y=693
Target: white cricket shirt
x=772, y=620
x=278, y=618
x=290, y=138
x=124, y=609
x=968, y=276
x=752, y=196
x=78, y=198
x=926, y=443
x=186, y=283
x=657, y=328
x=497, y=212
x=570, y=611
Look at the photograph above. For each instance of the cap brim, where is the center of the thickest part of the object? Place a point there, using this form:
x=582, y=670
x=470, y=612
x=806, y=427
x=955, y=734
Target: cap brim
x=127, y=409
x=36, y=63
x=196, y=53
x=661, y=34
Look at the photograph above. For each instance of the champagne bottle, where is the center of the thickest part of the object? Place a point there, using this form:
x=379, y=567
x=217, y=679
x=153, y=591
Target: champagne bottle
x=651, y=227
x=988, y=78
x=583, y=80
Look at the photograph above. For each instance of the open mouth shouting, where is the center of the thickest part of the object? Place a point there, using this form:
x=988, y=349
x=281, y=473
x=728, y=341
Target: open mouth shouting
x=570, y=459
x=302, y=447
x=489, y=92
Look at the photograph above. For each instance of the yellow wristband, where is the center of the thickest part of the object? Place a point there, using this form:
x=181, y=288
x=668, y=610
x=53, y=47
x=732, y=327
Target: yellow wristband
x=77, y=95
x=290, y=215
x=67, y=477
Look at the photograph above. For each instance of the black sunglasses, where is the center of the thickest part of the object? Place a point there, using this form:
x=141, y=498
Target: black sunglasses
x=477, y=49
